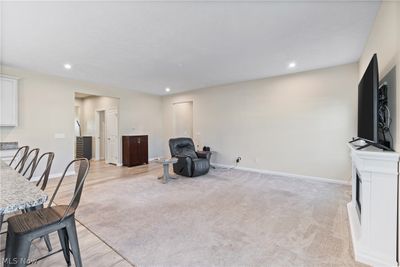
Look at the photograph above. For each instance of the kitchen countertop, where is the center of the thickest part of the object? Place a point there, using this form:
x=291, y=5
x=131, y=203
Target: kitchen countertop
x=17, y=193
x=8, y=145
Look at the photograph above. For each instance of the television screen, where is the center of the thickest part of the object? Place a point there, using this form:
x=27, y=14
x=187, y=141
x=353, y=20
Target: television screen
x=368, y=102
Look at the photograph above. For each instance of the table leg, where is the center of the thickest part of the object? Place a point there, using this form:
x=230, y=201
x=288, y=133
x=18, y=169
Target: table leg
x=165, y=172
x=166, y=175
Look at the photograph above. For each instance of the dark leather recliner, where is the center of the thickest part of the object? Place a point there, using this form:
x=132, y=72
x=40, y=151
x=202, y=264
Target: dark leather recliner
x=190, y=163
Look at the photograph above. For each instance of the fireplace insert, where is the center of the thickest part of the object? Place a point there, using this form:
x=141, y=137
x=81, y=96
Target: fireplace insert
x=358, y=194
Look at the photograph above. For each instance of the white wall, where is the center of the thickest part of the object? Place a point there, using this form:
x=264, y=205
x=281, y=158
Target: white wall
x=296, y=123
x=183, y=119
x=46, y=107
x=384, y=39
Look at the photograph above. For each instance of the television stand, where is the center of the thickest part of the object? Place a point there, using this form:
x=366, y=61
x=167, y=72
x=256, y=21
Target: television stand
x=369, y=143
x=373, y=212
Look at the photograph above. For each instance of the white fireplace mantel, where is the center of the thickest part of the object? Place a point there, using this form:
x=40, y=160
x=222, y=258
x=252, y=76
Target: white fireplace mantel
x=374, y=229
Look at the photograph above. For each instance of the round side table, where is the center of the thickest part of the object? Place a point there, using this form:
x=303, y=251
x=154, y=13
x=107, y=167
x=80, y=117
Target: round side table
x=166, y=163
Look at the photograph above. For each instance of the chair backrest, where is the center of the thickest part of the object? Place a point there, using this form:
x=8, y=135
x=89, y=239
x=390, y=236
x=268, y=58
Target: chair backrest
x=19, y=158
x=28, y=166
x=182, y=146
x=83, y=170
x=46, y=172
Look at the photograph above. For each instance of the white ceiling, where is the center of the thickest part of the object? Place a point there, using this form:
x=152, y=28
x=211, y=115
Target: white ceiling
x=148, y=46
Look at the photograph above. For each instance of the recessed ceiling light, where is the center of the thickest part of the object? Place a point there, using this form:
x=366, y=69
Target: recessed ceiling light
x=292, y=65
x=67, y=66
x=167, y=89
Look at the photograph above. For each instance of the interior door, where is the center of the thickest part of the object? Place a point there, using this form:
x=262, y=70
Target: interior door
x=102, y=137
x=112, y=136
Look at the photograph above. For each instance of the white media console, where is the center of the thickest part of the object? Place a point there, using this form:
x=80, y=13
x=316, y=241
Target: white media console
x=373, y=210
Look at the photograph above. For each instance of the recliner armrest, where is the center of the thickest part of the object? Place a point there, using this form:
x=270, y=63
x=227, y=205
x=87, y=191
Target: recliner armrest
x=183, y=160
x=204, y=154
x=184, y=166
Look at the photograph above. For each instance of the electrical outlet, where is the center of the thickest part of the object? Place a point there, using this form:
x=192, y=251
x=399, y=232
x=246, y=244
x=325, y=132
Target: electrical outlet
x=238, y=159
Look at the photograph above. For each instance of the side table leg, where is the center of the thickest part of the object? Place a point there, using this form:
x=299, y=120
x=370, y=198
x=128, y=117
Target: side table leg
x=166, y=174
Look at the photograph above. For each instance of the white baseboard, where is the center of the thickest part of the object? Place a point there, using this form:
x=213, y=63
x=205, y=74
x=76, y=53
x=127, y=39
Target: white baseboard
x=54, y=175
x=119, y=164
x=285, y=174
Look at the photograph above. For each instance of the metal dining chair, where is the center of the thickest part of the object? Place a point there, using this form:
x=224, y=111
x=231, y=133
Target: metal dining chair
x=46, y=173
x=24, y=228
x=29, y=164
x=19, y=158
x=42, y=182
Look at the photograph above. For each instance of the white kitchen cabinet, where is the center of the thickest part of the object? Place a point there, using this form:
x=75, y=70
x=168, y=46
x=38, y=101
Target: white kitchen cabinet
x=8, y=101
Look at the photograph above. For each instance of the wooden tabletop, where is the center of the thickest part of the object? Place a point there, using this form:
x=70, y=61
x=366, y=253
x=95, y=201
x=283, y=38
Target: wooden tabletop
x=16, y=192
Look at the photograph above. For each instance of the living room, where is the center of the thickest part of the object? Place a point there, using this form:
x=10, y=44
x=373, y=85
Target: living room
x=270, y=90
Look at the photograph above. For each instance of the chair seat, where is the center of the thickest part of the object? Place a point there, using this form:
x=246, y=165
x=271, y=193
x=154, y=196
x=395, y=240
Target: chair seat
x=30, y=221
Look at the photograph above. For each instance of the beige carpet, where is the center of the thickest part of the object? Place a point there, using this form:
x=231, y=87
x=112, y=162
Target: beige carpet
x=226, y=218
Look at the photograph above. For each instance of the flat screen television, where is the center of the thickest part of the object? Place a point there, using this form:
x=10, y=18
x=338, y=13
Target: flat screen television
x=368, y=103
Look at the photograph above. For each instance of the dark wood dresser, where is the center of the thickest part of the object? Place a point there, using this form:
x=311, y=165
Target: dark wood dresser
x=135, y=150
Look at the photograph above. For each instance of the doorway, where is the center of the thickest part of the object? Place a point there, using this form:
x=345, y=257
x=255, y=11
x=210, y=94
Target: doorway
x=107, y=136
x=97, y=122
x=183, y=119
x=111, y=130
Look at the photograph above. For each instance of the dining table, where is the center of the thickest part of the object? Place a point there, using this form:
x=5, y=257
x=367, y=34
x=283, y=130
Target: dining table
x=16, y=192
